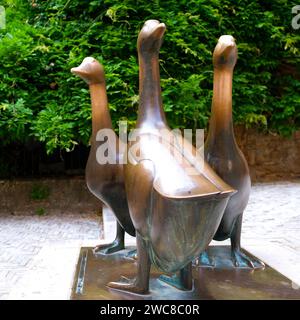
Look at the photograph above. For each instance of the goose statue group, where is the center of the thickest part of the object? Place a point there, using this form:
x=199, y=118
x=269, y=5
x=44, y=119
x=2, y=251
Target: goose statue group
x=173, y=211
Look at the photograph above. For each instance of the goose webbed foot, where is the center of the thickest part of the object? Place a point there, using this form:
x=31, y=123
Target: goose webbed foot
x=241, y=260
x=132, y=254
x=128, y=285
x=173, y=280
x=182, y=281
x=109, y=248
x=115, y=246
x=205, y=260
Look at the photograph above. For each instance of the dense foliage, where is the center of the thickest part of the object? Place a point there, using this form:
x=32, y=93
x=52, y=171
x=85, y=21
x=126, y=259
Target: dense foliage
x=43, y=39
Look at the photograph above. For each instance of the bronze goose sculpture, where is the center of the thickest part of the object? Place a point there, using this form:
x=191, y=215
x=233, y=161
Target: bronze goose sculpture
x=105, y=180
x=171, y=209
x=224, y=155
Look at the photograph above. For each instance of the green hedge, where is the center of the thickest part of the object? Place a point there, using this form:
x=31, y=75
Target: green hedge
x=40, y=97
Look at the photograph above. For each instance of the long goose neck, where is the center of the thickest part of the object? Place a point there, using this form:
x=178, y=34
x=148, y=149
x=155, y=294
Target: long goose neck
x=100, y=113
x=150, y=107
x=221, y=125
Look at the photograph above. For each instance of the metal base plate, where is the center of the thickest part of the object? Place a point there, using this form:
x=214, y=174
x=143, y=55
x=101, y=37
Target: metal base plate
x=93, y=272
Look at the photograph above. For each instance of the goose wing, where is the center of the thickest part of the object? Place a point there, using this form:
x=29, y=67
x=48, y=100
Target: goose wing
x=179, y=171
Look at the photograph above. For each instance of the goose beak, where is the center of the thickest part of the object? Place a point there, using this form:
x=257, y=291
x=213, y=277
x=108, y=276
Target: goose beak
x=75, y=70
x=159, y=30
x=225, y=43
x=153, y=28
x=227, y=40
x=81, y=70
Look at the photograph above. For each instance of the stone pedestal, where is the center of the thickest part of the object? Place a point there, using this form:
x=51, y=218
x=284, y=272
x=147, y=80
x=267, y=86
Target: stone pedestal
x=94, y=272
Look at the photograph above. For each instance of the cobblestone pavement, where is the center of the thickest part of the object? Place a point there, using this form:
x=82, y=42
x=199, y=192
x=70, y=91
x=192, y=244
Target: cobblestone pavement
x=271, y=228
x=38, y=254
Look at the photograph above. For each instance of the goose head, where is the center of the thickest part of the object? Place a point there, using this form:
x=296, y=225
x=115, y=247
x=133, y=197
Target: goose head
x=150, y=37
x=90, y=70
x=225, y=53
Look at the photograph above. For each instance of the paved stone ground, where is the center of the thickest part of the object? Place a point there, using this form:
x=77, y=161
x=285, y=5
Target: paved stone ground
x=38, y=254
x=271, y=228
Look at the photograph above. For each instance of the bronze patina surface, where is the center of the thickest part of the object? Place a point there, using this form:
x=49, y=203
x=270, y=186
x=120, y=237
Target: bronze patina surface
x=105, y=181
x=175, y=213
x=95, y=271
x=224, y=155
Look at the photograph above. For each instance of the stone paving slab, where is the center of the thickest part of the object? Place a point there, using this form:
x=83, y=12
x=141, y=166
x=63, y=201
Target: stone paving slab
x=38, y=254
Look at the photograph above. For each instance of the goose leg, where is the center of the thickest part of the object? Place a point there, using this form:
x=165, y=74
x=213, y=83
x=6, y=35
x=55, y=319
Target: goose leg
x=140, y=284
x=182, y=281
x=239, y=258
x=116, y=245
x=186, y=277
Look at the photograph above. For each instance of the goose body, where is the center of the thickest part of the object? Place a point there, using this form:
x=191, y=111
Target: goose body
x=105, y=180
x=171, y=208
x=174, y=207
